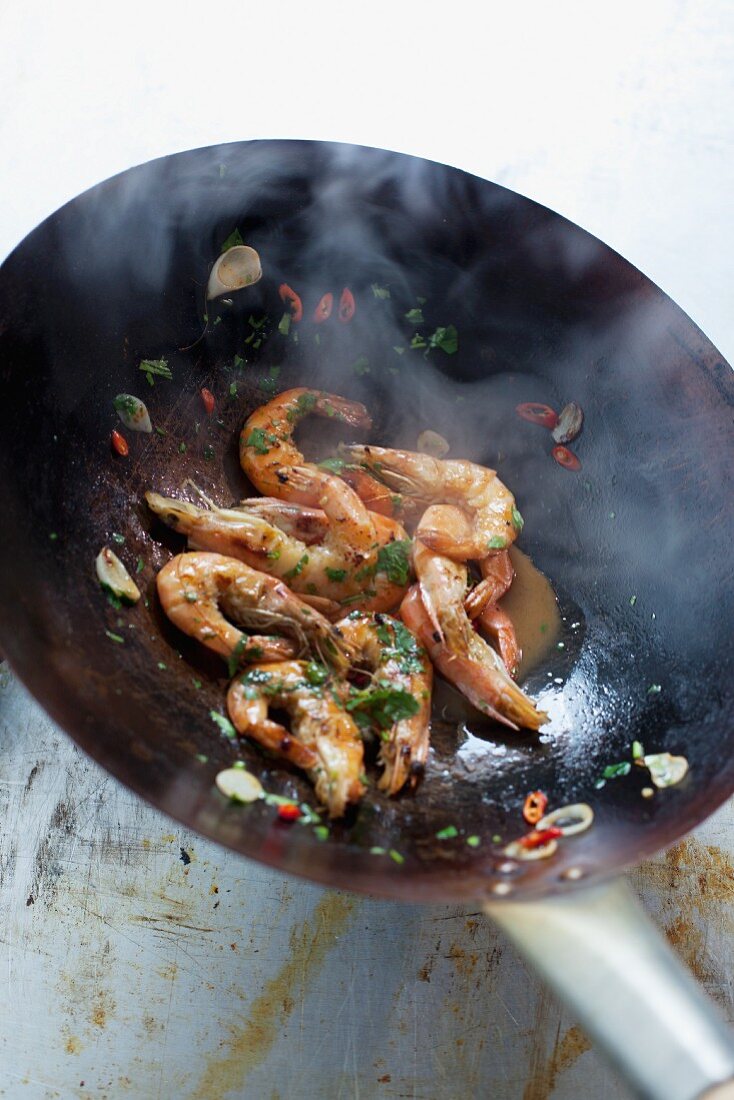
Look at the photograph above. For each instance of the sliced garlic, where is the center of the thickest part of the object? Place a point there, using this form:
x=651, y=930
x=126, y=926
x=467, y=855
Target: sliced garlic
x=239, y=785
x=132, y=412
x=431, y=443
x=516, y=850
x=236, y=268
x=666, y=770
x=570, y=423
x=113, y=575
x=572, y=819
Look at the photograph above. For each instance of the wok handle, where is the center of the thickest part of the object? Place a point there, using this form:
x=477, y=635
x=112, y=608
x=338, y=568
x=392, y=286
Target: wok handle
x=600, y=953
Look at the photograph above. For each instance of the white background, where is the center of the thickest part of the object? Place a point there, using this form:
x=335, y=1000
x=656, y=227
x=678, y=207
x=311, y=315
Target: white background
x=619, y=115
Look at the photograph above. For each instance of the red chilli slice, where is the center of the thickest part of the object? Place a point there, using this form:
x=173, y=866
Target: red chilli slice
x=292, y=300
x=323, y=309
x=347, y=306
x=565, y=458
x=119, y=443
x=289, y=811
x=538, y=838
x=534, y=808
x=209, y=400
x=538, y=414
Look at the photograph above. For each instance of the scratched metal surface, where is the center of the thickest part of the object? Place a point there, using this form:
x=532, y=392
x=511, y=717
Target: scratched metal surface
x=144, y=961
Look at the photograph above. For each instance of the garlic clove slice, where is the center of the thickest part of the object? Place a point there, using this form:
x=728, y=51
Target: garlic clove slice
x=236, y=268
x=239, y=785
x=112, y=574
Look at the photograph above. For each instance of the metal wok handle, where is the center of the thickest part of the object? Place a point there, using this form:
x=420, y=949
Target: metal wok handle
x=599, y=952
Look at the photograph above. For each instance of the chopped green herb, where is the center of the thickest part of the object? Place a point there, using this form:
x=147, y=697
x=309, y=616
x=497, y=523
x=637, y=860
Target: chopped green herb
x=393, y=559
x=270, y=383
x=201, y=758
x=336, y=575
x=112, y=599
x=361, y=366
x=517, y=520
x=599, y=784
x=139, y=565
x=156, y=366
x=637, y=750
x=497, y=543
x=496, y=839
x=473, y=841
x=217, y=321
x=161, y=431
x=399, y=351
x=119, y=539
x=162, y=666
x=396, y=856
x=259, y=440
x=52, y=536
x=543, y=628
x=238, y=361
x=415, y=316
x=182, y=448
x=333, y=465
x=654, y=689
x=239, y=765
x=633, y=601
x=316, y=673
x=613, y=771
x=273, y=555
x=448, y=833
x=380, y=292
x=224, y=724
x=377, y=851
x=284, y=325
x=233, y=662
x=233, y=389
x=232, y=240
x=195, y=682
x=418, y=341
x=381, y=705
x=297, y=569
x=115, y=637
x=321, y=831
x=208, y=452
x=446, y=338
x=257, y=325
x=304, y=404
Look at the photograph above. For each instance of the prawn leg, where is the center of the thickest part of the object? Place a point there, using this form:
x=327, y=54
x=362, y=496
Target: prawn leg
x=205, y=594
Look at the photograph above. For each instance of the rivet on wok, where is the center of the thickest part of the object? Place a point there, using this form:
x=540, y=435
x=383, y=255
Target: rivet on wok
x=572, y=874
x=502, y=888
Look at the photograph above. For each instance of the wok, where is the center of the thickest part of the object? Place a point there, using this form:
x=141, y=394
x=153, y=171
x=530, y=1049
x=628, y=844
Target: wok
x=637, y=543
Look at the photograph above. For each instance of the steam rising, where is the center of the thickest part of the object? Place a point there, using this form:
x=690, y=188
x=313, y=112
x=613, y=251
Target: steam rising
x=544, y=313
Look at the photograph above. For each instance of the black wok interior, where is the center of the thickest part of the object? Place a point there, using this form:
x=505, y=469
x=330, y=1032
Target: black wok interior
x=638, y=543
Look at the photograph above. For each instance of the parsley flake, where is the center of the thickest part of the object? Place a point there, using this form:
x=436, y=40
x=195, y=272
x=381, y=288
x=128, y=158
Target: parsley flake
x=393, y=559
x=232, y=240
x=224, y=724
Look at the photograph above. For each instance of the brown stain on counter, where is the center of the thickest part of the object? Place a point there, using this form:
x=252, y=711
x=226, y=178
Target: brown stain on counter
x=694, y=882
x=565, y=1052
x=253, y=1037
